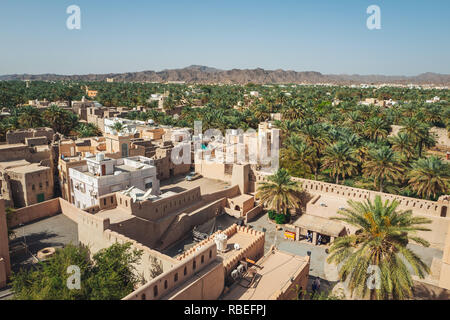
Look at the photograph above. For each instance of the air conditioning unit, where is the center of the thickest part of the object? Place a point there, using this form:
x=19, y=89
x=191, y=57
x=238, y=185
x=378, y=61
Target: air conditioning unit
x=235, y=274
x=241, y=269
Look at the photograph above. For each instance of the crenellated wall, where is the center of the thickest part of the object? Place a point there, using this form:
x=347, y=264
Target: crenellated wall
x=253, y=251
x=155, y=210
x=186, y=274
x=94, y=232
x=418, y=206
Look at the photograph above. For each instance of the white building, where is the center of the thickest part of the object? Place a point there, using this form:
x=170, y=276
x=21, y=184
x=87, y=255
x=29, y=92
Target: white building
x=129, y=126
x=101, y=176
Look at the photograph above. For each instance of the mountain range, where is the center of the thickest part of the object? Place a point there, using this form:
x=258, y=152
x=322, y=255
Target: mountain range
x=207, y=75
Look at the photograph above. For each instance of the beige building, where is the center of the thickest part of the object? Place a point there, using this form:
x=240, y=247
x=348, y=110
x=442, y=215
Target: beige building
x=5, y=264
x=27, y=171
x=24, y=183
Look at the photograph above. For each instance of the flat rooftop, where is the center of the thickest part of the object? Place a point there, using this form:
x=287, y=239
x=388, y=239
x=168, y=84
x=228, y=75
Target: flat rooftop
x=241, y=238
x=115, y=215
x=13, y=164
x=32, y=167
x=12, y=145
x=278, y=268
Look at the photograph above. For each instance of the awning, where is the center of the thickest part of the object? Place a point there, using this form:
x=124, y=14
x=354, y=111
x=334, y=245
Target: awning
x=321, y=225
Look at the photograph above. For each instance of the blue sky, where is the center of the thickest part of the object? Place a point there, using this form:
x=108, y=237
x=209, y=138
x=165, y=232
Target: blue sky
x=328, y=36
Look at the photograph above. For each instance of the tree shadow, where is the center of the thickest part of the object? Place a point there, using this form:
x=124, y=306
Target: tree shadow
x=423, y=291
x=21, y=249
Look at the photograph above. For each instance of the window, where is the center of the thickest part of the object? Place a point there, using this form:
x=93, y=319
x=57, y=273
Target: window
x=175, y=278
x=194, y=265
x=210, y=254
x=148, y=185
x=46, y=183
x=40, y=185
x=155, y=291
x=33, y=187
x=165, y=284
x=185, y=270
x=202, y=259
x=104, y=201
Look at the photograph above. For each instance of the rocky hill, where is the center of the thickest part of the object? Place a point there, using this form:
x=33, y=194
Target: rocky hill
x=202, y=74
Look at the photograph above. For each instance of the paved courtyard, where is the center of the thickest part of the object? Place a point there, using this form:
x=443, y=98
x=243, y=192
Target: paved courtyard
x=56, y=231
x=318, y=266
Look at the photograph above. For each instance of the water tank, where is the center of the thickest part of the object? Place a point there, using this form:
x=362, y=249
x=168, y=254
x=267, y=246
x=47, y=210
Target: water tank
x=100, y=156
x=221, y=241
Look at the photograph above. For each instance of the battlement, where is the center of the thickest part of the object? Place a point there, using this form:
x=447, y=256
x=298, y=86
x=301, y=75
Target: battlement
x=435, y=208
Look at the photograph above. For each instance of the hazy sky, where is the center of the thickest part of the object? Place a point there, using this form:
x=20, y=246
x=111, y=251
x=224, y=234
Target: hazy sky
x=328, y=36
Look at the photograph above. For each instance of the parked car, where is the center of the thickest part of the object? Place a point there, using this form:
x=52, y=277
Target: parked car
x=193, y=176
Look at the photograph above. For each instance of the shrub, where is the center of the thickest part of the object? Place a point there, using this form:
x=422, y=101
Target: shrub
x=280, y=218
x=272, y=214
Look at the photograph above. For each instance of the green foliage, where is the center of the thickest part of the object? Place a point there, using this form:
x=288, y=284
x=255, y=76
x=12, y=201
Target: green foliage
x=282, y=218
x=321, y=141
x=272, y=214
x=381, y=240
x=86, y=130
x=280, y=192
x=108, y=276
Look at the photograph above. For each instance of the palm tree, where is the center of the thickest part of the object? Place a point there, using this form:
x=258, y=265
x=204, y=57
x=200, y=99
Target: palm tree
x=430, y=177
x=382, y=165
x=30, y=117
x=380, y=241
x=117, y=126
x=419, y=132
x=402, y=143
x=299, y=156
x=280, y=192
x=376, y=128
x=293, y=111
x=338, y=158
x=54, y=117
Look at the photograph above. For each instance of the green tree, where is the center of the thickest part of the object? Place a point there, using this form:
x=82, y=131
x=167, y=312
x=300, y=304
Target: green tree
x=376, y=128
x=381, y=240
x=280, y=192
x=382, y=165
x=339, y=160
x=117, y=126
x=30, y=117
x=430, y=177
x=110, y=275
x=401, y=143
x=113, y=272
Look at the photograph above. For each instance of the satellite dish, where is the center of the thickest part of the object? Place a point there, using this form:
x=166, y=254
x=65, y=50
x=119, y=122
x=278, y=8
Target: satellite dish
x=237, y=246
